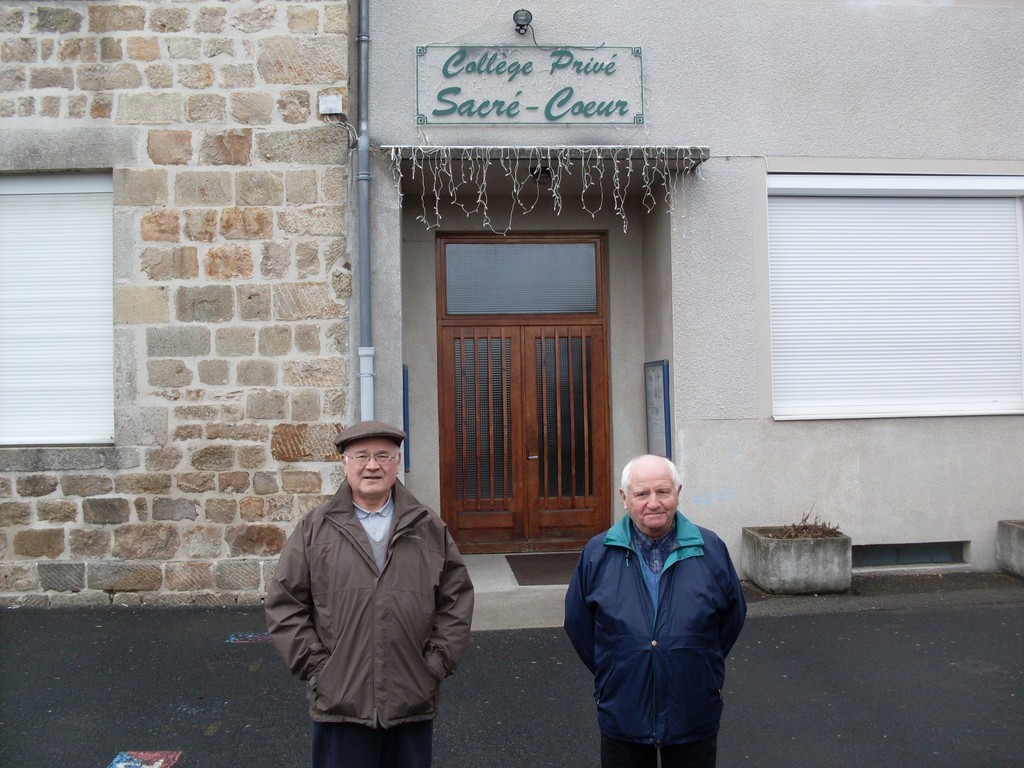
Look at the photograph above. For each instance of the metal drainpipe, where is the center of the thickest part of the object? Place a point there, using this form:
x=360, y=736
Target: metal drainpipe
x=366, y=350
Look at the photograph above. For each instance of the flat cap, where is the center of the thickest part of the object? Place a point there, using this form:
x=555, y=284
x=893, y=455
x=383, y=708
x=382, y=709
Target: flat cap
x=365, y=429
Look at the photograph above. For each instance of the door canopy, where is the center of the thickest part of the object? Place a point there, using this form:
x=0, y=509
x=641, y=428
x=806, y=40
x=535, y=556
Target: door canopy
x=603, y=177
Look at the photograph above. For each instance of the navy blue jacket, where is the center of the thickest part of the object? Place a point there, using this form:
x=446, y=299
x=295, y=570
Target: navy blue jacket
x=658, y=670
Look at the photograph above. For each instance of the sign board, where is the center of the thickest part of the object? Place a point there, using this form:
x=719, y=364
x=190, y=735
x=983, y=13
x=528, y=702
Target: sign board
x=497, y=85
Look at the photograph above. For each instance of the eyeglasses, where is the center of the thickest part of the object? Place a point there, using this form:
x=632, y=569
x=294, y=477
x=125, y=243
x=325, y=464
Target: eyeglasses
x=362, y=459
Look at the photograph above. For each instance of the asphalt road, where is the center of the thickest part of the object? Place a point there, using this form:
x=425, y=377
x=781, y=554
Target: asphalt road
x=934, y=687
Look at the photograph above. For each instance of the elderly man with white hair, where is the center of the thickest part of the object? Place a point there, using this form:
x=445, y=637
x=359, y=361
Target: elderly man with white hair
x=653, y=609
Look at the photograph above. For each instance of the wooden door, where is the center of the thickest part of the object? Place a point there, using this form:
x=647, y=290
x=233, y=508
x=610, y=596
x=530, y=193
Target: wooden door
x=524, y=432
x=523, y=390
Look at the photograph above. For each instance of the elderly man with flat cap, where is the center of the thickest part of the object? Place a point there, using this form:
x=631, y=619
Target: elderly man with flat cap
x=371, y=605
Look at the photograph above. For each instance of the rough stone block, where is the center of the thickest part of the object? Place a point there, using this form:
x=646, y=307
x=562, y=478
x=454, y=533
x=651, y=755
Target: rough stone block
x=62, y=577
x=305, y=405
x=307, y=260
x=146, y=541
x=168, y=19
x=51, y=77
x=56, y=511
x=142, y=49
x=236, y=341
x=59, y=21
x=254, y=19
x=210, y=20
x=179, y=341
x=142, y=482
x=233, y=147
x=39, y=542
x=184, y=48
x=305, y=301
x=238, y=574
x=252, y=456
x=188, y=577
x=214, y=372
x=116, y=18
x=302, y=60
x=196, y=76
x=303, y=21
x=233, y=482
x=106, y=511
x=24, y=49
x=321, y=221
x=297, y=481
x=160, y=226
x=148, y=108
x=257, y=373
x=163, y=459
x=265, y=483
x=227, y=262
x=304, y=442
x=252, y=108
x=258, y=540
x=169, y=147
x=267, y=404
x=175, y=509
x=205, y=541
x=275, y=340
x=141, y=426
x=244, y=224
x=204, y=303
x=91, y=544
x=307, y=339
x=168, y=373
x=294, y=107
x=159, y=76
x=36, y=485
x=19, y=577
x=221, y=510
x=200, y=224
x=134, y=305
x=214, y=457
x=202, y=188
x=254, y=302
x=275, y=260
x=259, y=188
x=325, y=372
x=140, y=186
x=207, y=108
x=306, y=146
x=196, y=482
x=123, y=577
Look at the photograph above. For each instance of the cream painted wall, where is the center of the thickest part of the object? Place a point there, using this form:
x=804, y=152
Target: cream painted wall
x=908, y=86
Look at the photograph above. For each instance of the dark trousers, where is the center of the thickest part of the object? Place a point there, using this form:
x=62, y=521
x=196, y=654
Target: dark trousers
x=349, y=745
x=628, y=754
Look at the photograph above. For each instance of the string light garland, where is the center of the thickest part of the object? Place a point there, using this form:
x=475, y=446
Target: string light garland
x=606, y=175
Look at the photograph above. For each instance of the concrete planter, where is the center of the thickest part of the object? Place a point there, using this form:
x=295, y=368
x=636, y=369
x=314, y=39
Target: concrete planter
x=797, y=566
x=1010, y=547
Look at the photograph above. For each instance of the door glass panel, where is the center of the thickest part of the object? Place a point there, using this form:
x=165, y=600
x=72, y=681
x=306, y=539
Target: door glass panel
x=563, y=407
x=520, y=278
x=483, y=417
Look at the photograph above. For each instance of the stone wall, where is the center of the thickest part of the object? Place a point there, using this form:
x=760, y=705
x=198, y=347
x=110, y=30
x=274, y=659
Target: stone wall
x=232, y=281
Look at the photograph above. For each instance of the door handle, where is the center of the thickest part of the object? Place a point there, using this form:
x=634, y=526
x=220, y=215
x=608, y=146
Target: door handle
x=533, y=457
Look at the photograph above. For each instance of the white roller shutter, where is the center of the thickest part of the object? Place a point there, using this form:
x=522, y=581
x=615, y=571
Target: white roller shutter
x=895, y=306
x=56, y=309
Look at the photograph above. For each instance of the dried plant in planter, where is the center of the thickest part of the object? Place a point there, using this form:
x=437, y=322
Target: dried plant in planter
x=808, y=529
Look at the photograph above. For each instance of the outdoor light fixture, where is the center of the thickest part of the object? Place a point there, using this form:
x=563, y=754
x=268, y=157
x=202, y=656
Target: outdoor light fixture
x=522, y=19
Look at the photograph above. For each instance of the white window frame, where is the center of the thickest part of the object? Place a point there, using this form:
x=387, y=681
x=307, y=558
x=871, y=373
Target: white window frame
x=56, y=309
x=858, y=352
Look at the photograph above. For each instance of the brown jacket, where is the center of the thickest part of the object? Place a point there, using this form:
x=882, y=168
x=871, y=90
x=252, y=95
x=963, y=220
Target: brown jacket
x=373, y=647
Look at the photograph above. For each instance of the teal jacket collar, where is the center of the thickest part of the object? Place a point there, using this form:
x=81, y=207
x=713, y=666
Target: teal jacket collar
x=688, y=538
